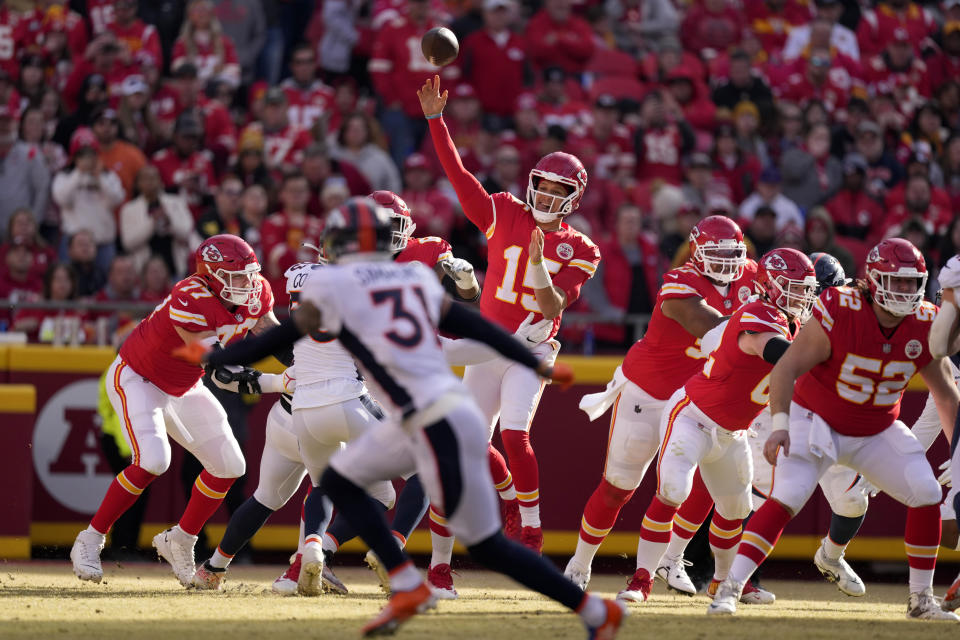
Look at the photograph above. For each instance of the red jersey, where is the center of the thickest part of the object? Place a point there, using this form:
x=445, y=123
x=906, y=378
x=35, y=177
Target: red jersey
x=208, y=63
x=35, y=25
x=430, y=251
x=8, y=42
x=496, y=71
x=772, y=25
x=667, y=355
x=834, y=93
x=283, y=147
x=305, y=105
x=165, y=104
x=661, y=154
x=218, y=129
x=282, y=246
x=857, y=391
x=192, y=307
x=193, y=174
x=909, y=87
x=101, y=15
x=876, y=27
x=140, y=39
x=734, y=387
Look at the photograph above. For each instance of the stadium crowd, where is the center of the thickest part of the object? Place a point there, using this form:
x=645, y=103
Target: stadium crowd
x=130, y=131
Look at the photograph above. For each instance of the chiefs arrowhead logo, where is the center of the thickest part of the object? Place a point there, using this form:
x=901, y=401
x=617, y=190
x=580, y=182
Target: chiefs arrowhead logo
x=210, y=253
x=775, y=262
x=874, y=255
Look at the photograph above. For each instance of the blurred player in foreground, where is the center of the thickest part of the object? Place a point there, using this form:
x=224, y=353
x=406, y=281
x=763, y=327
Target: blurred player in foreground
x=386, y=315
x=694, y=299
x=851, y=366
x=537, y=264
x=157, y=395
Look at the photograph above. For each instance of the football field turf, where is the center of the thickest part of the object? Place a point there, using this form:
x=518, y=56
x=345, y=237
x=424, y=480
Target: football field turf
x=137, y=601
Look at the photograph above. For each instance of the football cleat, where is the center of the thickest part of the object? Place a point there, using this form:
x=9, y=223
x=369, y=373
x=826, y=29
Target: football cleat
x=725, y=597
x=402, y=606
x=207, y=578
x=532, y=538
x=750, y=595
x=176, y=547
x=510, y=513
x=382, y=574
x=286, y=584
x=85, y=555
x=575, y=574
x=330, y=580
x=616, y=613
x=310, y=582
x=923, y=606
x=950, y=601
x=638, y=589
x=673, y=572
x=440, y=580
x=840, y=573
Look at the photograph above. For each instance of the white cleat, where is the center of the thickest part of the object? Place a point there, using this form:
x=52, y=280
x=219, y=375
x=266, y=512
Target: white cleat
x=577, y=575
x=286, y=583
x=725, y=600
x=85, y=555
x=840, y=573
x=374, y=563
x=673, y=572
x=923, y=606
x=310, y=582
x=176, y=547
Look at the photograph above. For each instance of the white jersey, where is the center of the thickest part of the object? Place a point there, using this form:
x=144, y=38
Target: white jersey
x=927, y=427
x=386, y=314
x=326, y=372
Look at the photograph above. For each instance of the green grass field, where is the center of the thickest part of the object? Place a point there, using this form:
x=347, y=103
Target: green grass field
x=139, y=601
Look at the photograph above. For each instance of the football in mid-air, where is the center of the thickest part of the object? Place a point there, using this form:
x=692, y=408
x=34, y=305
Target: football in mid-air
x=440, y=46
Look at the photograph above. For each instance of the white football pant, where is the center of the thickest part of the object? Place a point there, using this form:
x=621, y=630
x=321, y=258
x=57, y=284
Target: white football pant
x=634, y=437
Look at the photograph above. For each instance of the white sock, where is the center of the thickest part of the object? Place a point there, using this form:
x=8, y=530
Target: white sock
x=722, y=559
x=920, y=580
x=329, y=544
x=180, y=532
x=442, y=549
x=832, y=550
x=742, y=568
x=405, y=578
x=219, y=561
x=583, y=556
x=649, y=555
x=530, y=516
x=90, y=529
x=300, y=540
x=676, y=546
x=593, y=612
x=508, y=494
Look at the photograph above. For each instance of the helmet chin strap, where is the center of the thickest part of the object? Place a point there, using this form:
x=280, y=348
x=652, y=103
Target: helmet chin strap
x=544, y=216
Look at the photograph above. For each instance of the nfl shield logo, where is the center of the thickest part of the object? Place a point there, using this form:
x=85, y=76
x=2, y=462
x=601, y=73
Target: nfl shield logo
x=239, y=317
x=886, y=348
x=727, y=304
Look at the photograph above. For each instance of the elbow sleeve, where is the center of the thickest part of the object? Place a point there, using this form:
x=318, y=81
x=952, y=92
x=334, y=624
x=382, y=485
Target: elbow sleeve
x=774, y=349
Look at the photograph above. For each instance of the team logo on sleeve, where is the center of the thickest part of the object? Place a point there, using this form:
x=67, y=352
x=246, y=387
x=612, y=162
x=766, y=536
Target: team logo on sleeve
x=913, y=349
x=210, y=253
x=565, y=251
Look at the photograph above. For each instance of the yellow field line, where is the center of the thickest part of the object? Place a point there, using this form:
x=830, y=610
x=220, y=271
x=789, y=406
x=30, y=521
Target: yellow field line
x=284, y=538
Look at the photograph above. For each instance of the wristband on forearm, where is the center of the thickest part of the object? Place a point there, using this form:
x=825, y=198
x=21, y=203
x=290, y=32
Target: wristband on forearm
x=539, y=276
x=434, y=116
x=781, y=421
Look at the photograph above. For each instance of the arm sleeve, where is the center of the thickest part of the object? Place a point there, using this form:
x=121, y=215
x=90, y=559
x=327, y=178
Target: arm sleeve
x=927, y=427
x=466, y=322
x=775, y=348
x=476, y=202
x=257, y=347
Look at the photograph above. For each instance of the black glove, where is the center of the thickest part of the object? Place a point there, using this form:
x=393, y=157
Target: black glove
x=236, y=379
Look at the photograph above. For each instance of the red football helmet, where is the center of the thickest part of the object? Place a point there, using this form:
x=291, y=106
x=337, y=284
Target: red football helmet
x=230, y=268
x=787, y=279
x=895, y=259
x=558, y=167
x=717, y=249
x=403, y=223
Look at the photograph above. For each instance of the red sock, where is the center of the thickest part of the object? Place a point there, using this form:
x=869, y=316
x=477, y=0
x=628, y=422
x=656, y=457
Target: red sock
x=657, y=521
x=207, y=494
x=601, y=511
x=694, y=510
x=122, y=493
x=502, y=480
x=438, y=524
x=922, y=536
x=523, y=464
x=763, y=531
x=724, y=534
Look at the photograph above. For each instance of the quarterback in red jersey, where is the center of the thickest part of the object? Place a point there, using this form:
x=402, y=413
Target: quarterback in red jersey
x=704, y=423
x=851, y=366
x=537, y=264
x=156, y=394
x=716, y=281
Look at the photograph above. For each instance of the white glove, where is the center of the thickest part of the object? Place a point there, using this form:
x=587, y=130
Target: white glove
x=868, y=488
x=461, y=271
x=944, y=478
x=532, y=334
x=285, y=382
x=949, y=276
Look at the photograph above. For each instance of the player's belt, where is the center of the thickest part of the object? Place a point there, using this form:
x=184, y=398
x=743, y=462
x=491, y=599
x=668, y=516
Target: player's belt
x=434, y=412
x=285, y=403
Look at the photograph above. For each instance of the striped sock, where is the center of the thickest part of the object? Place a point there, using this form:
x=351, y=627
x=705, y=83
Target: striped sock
x=526, y=474
x=121, y=494
x=599, y=516
x=654, y=534
x=502, y=480
x=761, y=535
x=440, y=538
x=724, y=538
x=922, y=539
x=691, y=514
x=207, y=494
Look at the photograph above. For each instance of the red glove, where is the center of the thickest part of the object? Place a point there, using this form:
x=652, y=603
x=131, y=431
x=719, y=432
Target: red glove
x=192, y=352
x=562, y=374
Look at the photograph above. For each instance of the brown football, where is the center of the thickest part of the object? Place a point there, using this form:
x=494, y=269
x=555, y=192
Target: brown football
x=440, y=46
